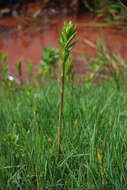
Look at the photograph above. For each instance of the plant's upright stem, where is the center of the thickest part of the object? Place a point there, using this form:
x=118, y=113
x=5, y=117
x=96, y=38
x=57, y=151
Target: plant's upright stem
x=66, y=45
x=61, y=107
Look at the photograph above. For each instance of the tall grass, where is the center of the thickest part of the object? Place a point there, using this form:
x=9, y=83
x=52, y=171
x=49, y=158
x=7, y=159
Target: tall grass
x=28, y=138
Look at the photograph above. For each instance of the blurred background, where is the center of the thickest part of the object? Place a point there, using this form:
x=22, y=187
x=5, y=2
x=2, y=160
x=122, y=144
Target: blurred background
x=15, y=7
x=28, y=26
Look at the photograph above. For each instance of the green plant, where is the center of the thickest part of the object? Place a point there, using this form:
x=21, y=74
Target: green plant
x=69, y=73
x=4, y=68
x=66, y=45
x=48, y=62
x=112, y=11
x=19, y=69
x=117, y=11
x=30, y=71
x=106, y=65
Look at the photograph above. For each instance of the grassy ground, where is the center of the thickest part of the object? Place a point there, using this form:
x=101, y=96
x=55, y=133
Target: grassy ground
x=94, y=138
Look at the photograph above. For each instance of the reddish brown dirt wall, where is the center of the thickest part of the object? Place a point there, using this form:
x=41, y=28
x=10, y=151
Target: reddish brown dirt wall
x=25, y=38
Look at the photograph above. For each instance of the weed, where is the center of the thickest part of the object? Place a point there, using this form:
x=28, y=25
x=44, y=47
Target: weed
x=19, y=69
x=48, y=62
x=106, y=65
x=67, y=35
x=4, y=68
x=30, y=71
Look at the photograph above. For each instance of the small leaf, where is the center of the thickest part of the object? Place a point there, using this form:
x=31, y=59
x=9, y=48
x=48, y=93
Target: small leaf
x=71, y=46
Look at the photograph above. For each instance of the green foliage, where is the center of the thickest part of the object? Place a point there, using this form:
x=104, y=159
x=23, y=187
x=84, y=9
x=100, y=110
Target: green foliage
x=106, y=65
x=66, y=44
x=69, y=74
x=8, y=81
x=19, y=69
x=95, y=143
x=67, y=35
x=30, y=71
x=113, y=11
x=48, y=62
x=4, y=68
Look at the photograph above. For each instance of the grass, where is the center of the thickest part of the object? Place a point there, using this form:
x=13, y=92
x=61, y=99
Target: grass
x=94, y=138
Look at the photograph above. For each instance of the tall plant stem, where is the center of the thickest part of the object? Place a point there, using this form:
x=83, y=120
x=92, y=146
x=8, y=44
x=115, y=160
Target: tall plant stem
x=66, y=45
x=61, y=108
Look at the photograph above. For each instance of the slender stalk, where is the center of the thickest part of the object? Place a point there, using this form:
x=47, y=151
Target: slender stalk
x=67, y=35
x=61, y=108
